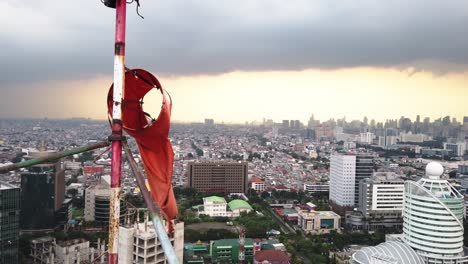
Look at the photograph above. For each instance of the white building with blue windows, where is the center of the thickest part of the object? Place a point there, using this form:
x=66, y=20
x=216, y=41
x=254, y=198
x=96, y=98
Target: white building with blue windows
x=432, y=225
x=433, y=218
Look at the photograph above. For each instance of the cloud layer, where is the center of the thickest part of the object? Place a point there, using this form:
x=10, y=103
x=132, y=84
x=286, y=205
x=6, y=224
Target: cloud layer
x=58, y=40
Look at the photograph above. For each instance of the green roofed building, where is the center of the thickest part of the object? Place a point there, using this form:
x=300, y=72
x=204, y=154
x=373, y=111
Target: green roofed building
x=239, y=206
x=196, y=253
x=227, y=251
x=215, y=199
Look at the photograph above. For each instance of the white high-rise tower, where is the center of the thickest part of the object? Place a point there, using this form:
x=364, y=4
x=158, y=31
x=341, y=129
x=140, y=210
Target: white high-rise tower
x=342, y=179
x=433, y=218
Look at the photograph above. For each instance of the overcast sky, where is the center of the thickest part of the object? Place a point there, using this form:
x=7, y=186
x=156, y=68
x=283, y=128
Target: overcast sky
x=53, y=48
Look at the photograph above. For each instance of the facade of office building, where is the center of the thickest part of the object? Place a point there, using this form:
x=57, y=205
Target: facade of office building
x=346, y=171
x=433, y=218
x=432, y=225
x=317, y=189
x=42, y=194
x=227, y=251
x=456, y=149
x=342, y=178
x=97, y=201
x=364, y=170
x=381, y=201
x=221, y=177
x=9, y=222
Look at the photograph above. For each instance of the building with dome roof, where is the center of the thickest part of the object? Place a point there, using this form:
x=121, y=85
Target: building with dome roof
x=432, y=225
x=238, y=206
x=394, y=252
x=433, y=218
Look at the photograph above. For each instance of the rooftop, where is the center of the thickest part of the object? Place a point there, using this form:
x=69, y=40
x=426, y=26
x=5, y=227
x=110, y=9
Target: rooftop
x=6, y=186
x=391, y=251
x=231, y=242
x=256, y=180
x=271, y=255
x=43, y=240
x=72, y=242
x=214, y=199
x=239, y=204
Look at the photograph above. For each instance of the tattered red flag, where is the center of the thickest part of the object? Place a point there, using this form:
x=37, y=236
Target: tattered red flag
x=151, y=135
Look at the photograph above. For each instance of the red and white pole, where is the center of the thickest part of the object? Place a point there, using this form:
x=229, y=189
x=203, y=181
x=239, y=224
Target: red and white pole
x=116, y=163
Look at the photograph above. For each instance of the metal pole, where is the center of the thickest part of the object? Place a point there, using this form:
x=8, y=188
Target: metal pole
x=152, y=208
x=116, y=165
x=52, y=157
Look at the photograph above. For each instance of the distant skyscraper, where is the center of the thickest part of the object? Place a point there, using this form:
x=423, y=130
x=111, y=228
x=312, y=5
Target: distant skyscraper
x=297, y=124
x=42, y=194
x=312, y=122
x=224, y=177
x=209, y=122
x=294, y=124
x=367, y=138
x=465, y=123
x=9, y=222
x=285, y=124
x=433, y=218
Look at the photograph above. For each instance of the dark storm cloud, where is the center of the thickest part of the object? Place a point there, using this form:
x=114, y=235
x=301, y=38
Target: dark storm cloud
x=47, y=40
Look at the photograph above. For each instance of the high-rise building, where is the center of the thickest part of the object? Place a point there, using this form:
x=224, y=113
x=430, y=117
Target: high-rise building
x=465, y=123
x=209, y=122
x=433, y=218
x=364, y=170
x=346, y=171
x=223, y=177
x=9, y=222
x=342, y=178
x=432, y=225
x=42, y=194
x=381, y=200
x=381, y=193
x=139, y=243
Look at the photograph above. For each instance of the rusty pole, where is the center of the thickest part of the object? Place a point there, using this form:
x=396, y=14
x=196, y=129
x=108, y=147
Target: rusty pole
x=116, y=137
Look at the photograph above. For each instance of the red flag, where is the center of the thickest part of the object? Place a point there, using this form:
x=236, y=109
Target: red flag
x=151, y=136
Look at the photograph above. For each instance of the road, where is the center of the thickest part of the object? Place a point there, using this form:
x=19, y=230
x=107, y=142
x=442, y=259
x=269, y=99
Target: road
x=284, y=227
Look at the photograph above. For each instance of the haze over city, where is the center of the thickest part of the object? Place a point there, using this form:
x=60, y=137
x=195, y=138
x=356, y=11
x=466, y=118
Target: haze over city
x=240, y=62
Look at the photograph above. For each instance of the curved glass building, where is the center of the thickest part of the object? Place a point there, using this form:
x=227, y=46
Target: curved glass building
x=433, y=218
x=388, y=252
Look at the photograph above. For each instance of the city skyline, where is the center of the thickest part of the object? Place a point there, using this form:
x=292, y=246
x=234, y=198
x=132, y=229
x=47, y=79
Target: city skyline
x=257, y=59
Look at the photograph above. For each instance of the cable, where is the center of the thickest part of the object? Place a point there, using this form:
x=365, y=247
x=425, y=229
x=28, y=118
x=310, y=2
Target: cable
x=137, y=8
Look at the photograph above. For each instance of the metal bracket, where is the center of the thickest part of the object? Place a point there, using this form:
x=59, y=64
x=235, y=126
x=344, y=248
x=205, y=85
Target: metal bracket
x=115, y=137
x=110, y=3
